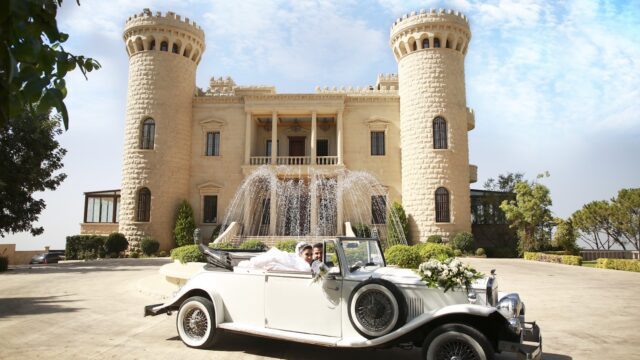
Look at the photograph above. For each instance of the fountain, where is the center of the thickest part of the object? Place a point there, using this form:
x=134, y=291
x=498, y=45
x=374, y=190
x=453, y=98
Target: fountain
x=308, y=207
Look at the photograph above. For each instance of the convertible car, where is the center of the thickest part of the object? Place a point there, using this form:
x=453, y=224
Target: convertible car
x=358, y=303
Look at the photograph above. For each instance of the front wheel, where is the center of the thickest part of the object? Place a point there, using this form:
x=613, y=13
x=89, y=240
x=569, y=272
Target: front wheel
x=196, y=323
x=456, y=342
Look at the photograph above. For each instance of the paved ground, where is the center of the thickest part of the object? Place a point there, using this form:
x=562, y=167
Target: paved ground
x=94, y=311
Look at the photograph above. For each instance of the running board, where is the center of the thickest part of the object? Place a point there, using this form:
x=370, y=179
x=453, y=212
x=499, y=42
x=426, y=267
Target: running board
x=321, y=340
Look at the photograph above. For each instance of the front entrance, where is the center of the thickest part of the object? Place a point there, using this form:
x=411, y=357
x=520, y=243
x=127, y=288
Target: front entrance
x=296, y=145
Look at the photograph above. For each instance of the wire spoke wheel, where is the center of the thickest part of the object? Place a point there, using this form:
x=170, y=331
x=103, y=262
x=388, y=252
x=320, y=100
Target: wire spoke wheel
x=195, y=324
x=457, y=350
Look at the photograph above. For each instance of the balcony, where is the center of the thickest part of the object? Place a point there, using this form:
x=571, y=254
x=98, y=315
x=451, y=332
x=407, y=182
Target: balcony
x=293, y=160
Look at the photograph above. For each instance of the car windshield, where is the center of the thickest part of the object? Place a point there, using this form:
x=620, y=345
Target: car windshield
x=362, y=253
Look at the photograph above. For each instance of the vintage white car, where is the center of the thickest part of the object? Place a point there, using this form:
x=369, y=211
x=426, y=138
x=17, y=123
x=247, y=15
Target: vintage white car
x=360, y=303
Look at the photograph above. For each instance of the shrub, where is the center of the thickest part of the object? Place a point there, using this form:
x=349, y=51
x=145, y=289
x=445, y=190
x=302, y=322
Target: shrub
x=162, y=253
x=457, y=252
x=4, y=263
x=397, y=225
x=480, y=252
x=185, y=225
x=187, y=253
x=286, y=245
x=435, y=239
x=149, y=246
x=115, y=243
x=134, y=255
x=222, y=245
x=404, y=256
x=463, y=241
x=558, y=259
x=253, y=245
x=531, y=255
x=619, y=264
x=572, y=260
x=362, y=230
x=501, y=252
x=434, y=251
x=83, y=247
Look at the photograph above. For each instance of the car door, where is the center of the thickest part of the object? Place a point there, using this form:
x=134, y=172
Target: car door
x=293, y=303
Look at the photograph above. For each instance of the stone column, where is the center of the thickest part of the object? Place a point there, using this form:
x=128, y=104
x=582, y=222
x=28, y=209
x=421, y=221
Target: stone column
x=274, y=140
x=247, y=139
x=339, y=136
x=312, y=144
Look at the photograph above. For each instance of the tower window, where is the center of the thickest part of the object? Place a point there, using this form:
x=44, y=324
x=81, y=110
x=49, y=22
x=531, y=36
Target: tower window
x=436, y=42
x=164, y=46
x=210, y=211
x=425, y=43
x=448, y=44
x=378, y=209
x=152, y=45
x=414, y=46
x=174, y=48
x=213, y=144
x=148, y=134
x=442, y=205
x=377, y=143
x=439, y=133
x=144, y=205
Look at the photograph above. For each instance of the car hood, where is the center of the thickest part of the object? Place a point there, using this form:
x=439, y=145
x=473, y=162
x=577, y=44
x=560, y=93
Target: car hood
x=398, y=276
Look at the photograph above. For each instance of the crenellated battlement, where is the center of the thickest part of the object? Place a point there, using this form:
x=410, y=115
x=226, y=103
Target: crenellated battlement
x=354, y=91
x=430, y=30
x=167, y=32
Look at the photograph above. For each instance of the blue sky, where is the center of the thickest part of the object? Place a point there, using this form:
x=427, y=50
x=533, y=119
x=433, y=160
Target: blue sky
x=555, y=85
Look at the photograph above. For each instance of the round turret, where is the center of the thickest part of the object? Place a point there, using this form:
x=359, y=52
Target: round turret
x=430, y=47
x=164, y=51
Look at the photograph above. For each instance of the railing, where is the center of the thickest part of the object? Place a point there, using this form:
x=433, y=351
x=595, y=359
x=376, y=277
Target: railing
x=293, y=160
x=608, y=254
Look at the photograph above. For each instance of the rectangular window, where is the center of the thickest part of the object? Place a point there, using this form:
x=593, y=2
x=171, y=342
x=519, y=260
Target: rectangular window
x=322, y=147
x=213, y=144
x=378, y=209
x=377, y=143
x=210, y=213
x=100, y=210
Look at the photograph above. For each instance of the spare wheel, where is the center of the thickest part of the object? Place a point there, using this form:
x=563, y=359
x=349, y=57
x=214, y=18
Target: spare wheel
x=376, y=308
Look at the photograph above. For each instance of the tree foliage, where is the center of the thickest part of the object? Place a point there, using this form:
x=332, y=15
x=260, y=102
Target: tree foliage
x=34, y=60
x=29, y=157
x=530, y=214
x=565, y=235
x=397, y=225
x=185, y=225
x=603, y=224
x=505, y=183
x=115, y=244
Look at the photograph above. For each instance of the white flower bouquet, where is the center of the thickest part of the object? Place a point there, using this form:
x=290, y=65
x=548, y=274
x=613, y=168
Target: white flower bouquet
x=447, y=274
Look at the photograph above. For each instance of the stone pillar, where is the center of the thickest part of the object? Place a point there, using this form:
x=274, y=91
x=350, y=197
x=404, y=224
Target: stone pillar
x=312, y=145
x=274, y=140
x=339, y=136
x=247, y=139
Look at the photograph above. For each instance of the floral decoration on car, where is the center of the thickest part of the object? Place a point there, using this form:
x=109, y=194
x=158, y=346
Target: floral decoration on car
x=448, y=274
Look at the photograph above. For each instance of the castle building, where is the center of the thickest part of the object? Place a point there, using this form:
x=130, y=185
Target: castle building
x=409, y=130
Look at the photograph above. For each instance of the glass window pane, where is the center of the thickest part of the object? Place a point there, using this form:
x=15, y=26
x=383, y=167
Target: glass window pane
x=96, y=210
x=210, y=211
x=89, y=210
x=118, y=209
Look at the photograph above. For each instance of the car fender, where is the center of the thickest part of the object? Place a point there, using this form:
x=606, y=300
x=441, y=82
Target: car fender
x=192, y=288
x=419, y=322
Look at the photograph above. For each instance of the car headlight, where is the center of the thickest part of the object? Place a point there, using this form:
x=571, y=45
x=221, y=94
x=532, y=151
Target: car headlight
x=510, y=306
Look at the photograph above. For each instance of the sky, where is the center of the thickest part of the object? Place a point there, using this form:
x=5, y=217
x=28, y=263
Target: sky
x=555, y=85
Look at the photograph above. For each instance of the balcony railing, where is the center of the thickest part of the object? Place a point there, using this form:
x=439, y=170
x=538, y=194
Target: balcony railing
x=293, y=160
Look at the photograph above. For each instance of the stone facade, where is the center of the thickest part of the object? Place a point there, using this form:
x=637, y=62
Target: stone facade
x=164, y=51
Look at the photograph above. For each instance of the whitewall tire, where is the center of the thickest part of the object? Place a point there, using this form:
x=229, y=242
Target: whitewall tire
x=376, y=308
x=196, y=322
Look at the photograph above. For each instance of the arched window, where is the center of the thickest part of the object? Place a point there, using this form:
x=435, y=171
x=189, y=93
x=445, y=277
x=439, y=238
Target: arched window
x=414, y=46
x=439, y=133
x=425, y=43
x=152, y=45
x=148, y=134
x=174, y=48
x=143, y=212
x=448, y=44
x=442, y=205
x=436, y=42
x=164, y=46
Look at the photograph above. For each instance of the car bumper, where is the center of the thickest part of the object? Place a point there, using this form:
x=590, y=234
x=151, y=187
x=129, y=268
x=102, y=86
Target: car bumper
x=530, y=348
x=151, y=310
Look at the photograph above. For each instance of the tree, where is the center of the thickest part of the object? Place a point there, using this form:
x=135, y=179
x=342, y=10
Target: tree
x=529, y=214
x=505, y=183
x=185, y=225
x=397, y=225
x=29, y=157
x=626, y=216
x=34, y=60
x=565, y=236
x=34, y=65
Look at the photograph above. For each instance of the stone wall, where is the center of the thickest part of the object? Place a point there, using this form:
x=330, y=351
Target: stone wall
x=98, y=228
x=17, y=257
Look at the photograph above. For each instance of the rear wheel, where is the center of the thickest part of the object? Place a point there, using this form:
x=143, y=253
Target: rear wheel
x=456, y=342
x=196, y=323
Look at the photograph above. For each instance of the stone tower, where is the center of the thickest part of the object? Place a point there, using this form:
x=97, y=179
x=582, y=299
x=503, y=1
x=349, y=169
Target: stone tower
x=164, y=51
x=430, y=47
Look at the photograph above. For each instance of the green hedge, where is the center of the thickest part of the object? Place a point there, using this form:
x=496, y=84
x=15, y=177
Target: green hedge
x=222, y=245
x=463, y=241
x=4, y=263
x=149, y=246
x=187, y=253
x=404, y=256
x=115, y=244
x=253, y=245
x=85, y=247
x=435, y=239
x=552, y=258
x=619, y=264
x=431, y=250
x=286, y=245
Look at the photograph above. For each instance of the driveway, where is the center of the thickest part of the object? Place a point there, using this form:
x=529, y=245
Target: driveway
x=93, y=310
